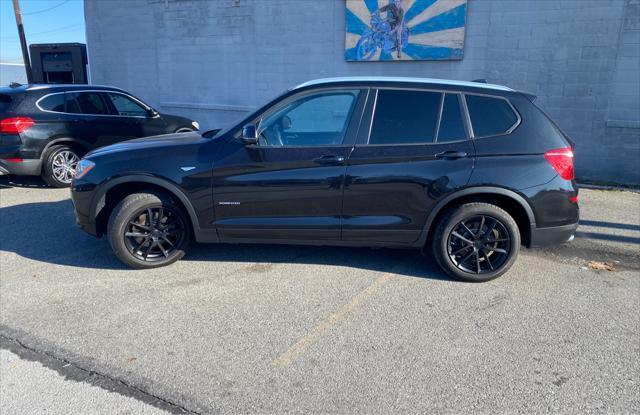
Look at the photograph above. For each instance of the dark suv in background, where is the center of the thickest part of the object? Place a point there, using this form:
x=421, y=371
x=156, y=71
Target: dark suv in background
x=468, y=171
x=46, y=129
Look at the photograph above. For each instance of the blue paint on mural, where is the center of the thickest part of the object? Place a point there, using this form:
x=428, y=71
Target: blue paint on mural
x=387, y=30
x=448, y=20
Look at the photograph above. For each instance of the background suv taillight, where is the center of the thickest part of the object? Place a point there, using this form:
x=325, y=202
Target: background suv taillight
x=561, y=159
x=15, y=125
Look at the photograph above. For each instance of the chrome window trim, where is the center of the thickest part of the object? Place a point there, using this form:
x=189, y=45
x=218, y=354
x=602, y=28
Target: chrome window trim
x=94, y=115
x=373, y=114
x=513, y=109
x=462, y=118
x=467, y=117
x=435, y=137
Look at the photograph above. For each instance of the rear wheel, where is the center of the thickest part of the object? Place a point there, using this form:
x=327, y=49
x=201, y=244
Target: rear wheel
x=476, y=242
x=148, y=230
x=60, y=163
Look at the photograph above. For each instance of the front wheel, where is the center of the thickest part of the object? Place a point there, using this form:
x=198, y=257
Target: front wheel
x=476, y=242
x=148, y=230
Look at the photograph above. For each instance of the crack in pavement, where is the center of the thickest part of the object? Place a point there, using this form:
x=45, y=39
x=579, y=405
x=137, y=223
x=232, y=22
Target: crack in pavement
x=72, y=371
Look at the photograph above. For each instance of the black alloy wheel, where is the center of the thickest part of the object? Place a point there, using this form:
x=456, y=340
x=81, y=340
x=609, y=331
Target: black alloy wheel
x=476, y=241
x=479, y=244
x=153, y=233
x=149, y=230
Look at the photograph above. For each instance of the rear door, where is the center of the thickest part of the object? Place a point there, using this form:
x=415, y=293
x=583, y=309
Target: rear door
x=91, y=121
x=416, y=151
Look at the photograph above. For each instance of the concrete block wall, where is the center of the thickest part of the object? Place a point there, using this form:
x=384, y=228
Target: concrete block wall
x=216, y=60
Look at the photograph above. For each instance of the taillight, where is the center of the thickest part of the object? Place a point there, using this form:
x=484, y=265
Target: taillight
x=15, y=125
x=561, y=159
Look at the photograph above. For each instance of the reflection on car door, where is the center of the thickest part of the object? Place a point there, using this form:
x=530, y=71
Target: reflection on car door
x=417, y=150
x=290, y=184
x=91, y=122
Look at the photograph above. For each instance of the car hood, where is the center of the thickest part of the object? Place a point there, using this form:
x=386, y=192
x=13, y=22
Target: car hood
x=147, y=143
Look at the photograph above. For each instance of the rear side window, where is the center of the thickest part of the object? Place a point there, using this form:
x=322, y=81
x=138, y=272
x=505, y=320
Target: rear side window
x=5, y=102
x=451, y=127
x=54, y=102
x=405, y=117
x=490, y=116
x=90, y=103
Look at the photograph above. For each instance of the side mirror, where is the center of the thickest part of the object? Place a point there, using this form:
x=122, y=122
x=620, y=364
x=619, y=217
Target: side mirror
x=249, y=134
x=152, y=113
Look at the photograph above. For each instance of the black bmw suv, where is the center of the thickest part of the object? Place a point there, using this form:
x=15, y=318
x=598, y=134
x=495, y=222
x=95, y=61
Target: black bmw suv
x=466, y=170
x=46, y=129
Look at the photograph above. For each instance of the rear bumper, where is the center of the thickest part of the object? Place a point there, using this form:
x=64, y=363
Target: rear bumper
x=552, y=236
x=26, y=167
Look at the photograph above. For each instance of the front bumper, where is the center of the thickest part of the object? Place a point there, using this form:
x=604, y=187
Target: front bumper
x=26, y=167
x=553, y=236
x=81, y=196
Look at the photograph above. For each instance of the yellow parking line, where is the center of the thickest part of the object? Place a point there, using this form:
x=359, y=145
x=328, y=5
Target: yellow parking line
x=286, y=358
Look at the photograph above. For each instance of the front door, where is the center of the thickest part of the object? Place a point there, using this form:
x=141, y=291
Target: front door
x=415, y=153
x=133, y=117
x=289, y=185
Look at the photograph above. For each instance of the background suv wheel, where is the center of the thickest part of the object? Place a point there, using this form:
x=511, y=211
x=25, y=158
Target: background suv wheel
x=148, y=230
x=60, y=163
x=476, y=242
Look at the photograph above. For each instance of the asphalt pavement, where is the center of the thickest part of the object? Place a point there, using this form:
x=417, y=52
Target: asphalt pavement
x=283, y=329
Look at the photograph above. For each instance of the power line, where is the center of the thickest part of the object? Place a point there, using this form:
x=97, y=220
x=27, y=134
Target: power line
x=58, y=29
x=48, y=32
x=47, y=9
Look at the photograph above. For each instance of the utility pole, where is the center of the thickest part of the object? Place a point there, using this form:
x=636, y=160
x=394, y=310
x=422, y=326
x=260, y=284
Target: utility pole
x=23, y=41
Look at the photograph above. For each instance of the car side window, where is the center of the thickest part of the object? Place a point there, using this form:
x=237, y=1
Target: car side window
x=53, y=102
x=490, y=116
x=126, y=106
x=318, y=119
x=405, y=116
x=451, y=126
x=89, y=103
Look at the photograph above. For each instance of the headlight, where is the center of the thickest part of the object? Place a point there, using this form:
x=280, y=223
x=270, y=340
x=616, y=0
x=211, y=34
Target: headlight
x=195, y=125
x=84, y=166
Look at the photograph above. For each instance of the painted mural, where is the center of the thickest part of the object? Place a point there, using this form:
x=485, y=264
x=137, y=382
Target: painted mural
x=388, y=30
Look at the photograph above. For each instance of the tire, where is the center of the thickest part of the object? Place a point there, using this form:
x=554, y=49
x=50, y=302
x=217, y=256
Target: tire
x=464, y=243
x=142, y=243
x=60, y=162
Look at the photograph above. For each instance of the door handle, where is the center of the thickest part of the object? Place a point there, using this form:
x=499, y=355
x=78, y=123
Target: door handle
x=451, y=155
x=329, y=160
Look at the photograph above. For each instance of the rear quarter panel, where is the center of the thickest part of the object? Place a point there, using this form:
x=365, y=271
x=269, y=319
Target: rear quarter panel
x=516, y=162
